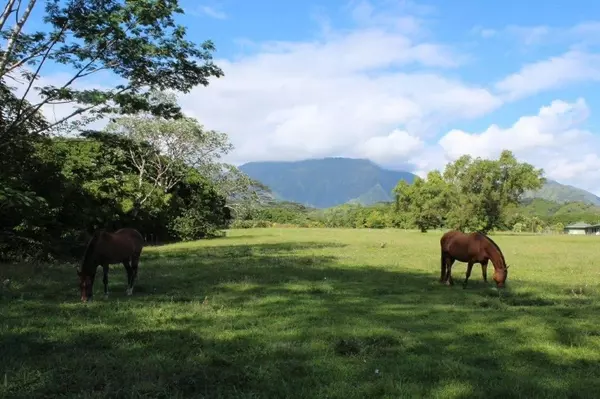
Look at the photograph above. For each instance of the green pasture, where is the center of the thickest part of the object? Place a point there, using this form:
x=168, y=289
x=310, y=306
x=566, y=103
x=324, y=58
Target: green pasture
x=309, y=313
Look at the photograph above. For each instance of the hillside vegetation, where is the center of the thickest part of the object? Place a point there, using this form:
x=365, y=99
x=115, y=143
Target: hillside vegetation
x=434, y=203
x=561, y=193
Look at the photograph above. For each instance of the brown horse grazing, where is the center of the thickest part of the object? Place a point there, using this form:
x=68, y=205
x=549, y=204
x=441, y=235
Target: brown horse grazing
x=123, y=246
x=471, y=248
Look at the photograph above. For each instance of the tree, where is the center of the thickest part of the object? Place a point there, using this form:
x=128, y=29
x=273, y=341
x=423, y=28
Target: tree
x=485, y=188
x=427, y=200
x=163, y=149
x=138, y=41
x=243, y=194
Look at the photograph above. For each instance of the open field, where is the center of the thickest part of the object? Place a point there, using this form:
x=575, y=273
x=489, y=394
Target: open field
x=310, y=313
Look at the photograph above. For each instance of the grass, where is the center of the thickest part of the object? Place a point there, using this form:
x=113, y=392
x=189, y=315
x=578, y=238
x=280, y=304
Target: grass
x=309, y=313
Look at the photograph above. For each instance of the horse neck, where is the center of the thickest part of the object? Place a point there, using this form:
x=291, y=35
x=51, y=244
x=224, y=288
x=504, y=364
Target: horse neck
x=89, y=254
x=496, y=257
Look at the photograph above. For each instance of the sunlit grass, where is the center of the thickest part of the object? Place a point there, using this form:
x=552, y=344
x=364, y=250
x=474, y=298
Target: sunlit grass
x=309, y=313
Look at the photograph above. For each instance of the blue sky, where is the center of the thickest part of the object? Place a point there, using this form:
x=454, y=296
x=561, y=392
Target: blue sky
x=406, y=84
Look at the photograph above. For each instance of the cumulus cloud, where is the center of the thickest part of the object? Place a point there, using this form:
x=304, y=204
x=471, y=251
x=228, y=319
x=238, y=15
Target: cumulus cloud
x=204, y=10
x=555, y=72
x=551, y=139
x=388, y=148
x=292, y=100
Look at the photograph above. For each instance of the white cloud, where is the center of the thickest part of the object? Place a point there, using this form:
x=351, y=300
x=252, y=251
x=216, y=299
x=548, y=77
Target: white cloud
x=484, y=32
x=581, y=34
x=551, y=140
x=556, y=72
x=204, y=10
x=388, y=148
x=292, y=100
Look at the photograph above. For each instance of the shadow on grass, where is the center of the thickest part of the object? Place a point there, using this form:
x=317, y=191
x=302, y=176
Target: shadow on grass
x=251, y=321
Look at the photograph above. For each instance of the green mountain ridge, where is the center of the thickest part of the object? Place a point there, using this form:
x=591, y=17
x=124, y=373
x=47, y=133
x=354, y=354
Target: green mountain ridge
x=332, y=181
x=562, y=193
x=327, y=182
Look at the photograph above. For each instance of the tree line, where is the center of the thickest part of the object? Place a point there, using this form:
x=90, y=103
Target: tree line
x=469, y=194
x=151, y=167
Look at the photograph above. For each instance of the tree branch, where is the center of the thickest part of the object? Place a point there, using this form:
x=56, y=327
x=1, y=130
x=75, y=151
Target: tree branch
x=12, y=40
x=36, y=73
x=8, y=9
x=74, y=113
x=78, y=75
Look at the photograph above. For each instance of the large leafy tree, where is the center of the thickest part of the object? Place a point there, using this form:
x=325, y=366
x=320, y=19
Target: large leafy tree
x=162, y=150
x=471, y=194
x=137, y=41
x=426, y=200
x=486, y=188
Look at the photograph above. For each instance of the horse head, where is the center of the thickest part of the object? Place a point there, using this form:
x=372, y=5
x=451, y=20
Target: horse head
x=85, y=284
x=500, y=276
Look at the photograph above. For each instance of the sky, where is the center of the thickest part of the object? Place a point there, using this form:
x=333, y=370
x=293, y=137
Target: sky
x=409, y=85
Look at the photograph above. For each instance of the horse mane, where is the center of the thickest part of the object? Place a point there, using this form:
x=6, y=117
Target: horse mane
x=494, y=244
x=90, y=247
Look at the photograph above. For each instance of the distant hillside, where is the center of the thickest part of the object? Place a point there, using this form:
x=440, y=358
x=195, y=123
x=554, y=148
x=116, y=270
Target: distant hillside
x=565, y=213
x=561, y=193
x=327, y=182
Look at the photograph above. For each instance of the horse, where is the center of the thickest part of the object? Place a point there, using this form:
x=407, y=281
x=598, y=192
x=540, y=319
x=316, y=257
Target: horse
x=471, y=248
x=104, y=248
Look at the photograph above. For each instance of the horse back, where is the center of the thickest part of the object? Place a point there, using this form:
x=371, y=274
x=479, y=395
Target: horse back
x=462, y=246
x=131, y=234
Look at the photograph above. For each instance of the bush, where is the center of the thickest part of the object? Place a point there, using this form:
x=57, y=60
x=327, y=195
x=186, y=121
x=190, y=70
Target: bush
x=250, y=224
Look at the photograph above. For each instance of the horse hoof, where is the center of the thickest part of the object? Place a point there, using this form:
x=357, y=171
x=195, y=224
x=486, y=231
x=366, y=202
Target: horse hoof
x=105, y=296
x=129, y=291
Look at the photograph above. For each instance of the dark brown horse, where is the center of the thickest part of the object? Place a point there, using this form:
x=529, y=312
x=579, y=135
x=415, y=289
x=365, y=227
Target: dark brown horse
x=471, y=248
x=123, y=246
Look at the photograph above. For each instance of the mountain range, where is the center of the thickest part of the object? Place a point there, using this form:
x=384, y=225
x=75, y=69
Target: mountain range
x=327, y=182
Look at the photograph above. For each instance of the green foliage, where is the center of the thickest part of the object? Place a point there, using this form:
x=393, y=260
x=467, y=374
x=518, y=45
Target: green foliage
x=89, y=182
x=469, y=195
x=484, y=188
x=54, y=192
x=138, y=41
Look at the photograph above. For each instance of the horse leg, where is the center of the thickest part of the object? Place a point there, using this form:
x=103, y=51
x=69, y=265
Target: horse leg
x=105, y=279
x=484, y=270
x=469, y=267
x=448, y=279
x=129, y=270
x=135, y=262
x=443, y=262
x=90, y=297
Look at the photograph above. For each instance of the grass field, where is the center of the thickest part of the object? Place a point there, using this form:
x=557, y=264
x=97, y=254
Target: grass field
x=309, y=313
